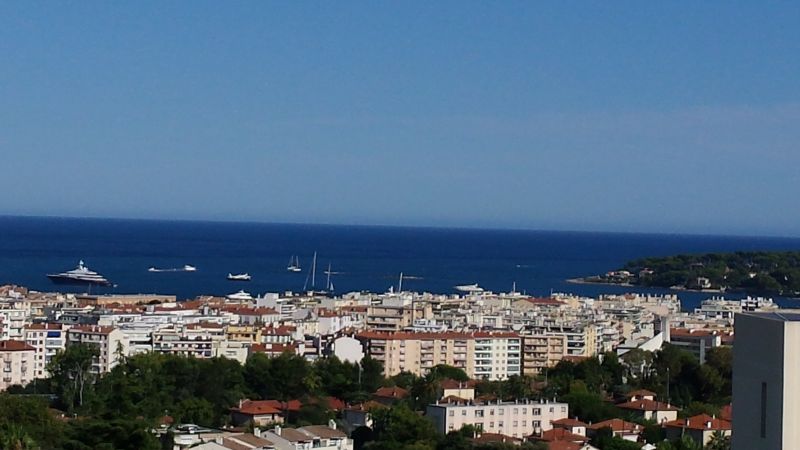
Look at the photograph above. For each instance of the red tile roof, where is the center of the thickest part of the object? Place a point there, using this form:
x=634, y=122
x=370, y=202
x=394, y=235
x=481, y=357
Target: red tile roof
x=559, y=434
x=700, y=422
x=391, y=392
x=256, y=407
x=726, y=412
x=15, y=346
x=647, y=405
x=569, y=423
x=618, y=425
x=489, y=438
x=91, y=329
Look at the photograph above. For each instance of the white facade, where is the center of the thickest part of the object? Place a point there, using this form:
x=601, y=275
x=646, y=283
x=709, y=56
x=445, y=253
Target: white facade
x=110, y=343
x=16, y=363
x=519, y=419
x=47, y=340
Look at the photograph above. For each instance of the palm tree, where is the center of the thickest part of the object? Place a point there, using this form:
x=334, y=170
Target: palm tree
x=719, y=441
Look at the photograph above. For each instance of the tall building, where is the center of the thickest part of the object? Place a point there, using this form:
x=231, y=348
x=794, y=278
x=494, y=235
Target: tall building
x=766, y=381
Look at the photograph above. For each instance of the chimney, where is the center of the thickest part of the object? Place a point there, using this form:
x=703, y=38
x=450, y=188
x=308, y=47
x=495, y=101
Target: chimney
x=708, y=424
x=257, y=432
x=332, y=424
x=277, y=430
x=218, y=440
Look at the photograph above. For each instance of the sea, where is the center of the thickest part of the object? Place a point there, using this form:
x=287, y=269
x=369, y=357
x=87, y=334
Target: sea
x=361, y=258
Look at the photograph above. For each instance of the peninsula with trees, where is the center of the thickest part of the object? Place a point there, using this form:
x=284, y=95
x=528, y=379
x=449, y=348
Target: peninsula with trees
x=758, y=272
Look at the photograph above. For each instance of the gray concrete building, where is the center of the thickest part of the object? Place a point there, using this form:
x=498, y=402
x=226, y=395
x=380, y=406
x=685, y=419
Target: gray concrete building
x=766, y=381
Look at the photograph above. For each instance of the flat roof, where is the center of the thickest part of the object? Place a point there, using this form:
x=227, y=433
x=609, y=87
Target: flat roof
x=783, y=315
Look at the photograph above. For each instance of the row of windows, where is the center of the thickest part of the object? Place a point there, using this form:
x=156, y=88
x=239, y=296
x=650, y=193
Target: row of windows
x=501, y=411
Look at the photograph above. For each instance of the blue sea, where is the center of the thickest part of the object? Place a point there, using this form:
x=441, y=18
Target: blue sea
x=361, y=258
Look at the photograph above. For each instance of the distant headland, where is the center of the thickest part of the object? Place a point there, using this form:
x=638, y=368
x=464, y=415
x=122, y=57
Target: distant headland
x=776, y=272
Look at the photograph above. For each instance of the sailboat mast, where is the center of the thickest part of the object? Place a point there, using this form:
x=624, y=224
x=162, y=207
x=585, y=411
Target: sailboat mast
x=314, y=271
x=328, y=283
x=400, y=285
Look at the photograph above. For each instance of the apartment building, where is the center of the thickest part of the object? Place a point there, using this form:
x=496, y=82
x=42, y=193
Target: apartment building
x=520, y=418
x=541, y=351
x=699, y=341
x=12, y=322
x=482, y=355
x=47, y=339
x=766, y=388
x=110, y=342
x=16, y=363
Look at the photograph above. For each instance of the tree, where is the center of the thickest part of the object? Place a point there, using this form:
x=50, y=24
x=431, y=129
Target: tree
x=15, y=438
x=400, y=427
x=71, y=372
x=719, y=441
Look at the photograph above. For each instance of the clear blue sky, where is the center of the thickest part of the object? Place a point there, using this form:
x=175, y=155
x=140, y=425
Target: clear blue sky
x=627, y=116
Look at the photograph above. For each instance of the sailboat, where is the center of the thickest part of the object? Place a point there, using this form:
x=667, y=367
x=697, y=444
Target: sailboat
x=312, y=274
x=328, y=284
x=294, y=264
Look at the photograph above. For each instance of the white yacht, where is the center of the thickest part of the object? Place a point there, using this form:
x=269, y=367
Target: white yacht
x=239, y=277
x=79, y=275
x=188, y=268
x=241, y=295
x=469, y=288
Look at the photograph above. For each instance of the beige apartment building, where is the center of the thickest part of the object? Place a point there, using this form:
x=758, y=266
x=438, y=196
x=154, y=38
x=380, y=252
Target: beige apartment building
x=16, y=363
x=540, y=351
x=111, y=344
x=482, y=355
x=396, y=318
x=520, y=419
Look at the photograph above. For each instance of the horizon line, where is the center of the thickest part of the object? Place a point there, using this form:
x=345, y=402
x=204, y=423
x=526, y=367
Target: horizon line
x=421, y=227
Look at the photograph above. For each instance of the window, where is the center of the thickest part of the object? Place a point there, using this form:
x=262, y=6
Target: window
x=501, y=411
x=478, y=413
x=500, y=424
x=763, y=410
x=537, y=411
x=463, y=412
x=536, y=424
x=452, y=413
x=516, y=423
x=524, y=411
x=491, y=424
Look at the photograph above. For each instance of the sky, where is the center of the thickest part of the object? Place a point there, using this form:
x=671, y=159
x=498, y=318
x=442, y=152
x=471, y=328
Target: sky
x=676, y=117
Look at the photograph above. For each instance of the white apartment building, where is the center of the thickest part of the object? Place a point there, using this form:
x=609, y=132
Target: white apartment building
x=47, y=339
x=110, y=342
x=519, y=419
x=16, y=363
x=12, y=321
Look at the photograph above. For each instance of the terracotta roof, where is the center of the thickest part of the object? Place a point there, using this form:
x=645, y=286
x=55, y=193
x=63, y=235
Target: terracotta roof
x=617, y=425
x=640, y=393
x=273, y=348
x=91, y=329
x=449, y=383
x=700, y=422
x=647, y=405
x=256, y=407
x=15, y=346
x=292, y=435
x=251, y=439
x=544, y=301
x=366, y=406
x=567, y=422
x=391, y=392
x=233, y=445
x=323, y=431
x=726, y=412
x=559, y=434
x=291, y=405
x=44, y=326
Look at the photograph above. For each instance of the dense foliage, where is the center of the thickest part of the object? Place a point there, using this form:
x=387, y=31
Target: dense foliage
x=118, y=410
x=758, y=272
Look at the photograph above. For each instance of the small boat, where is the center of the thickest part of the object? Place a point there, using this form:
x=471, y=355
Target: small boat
x=188, y=268
x=469, y=288
x=79, y=275
x=294, y=264
x=241, y=295
x=239, y=277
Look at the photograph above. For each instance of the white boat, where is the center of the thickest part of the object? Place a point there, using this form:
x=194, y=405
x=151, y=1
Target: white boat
x=469, y=288
x=241, y=295
x=239, y=277
x=79, y=275
x=294, y=264
x=188, y=268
